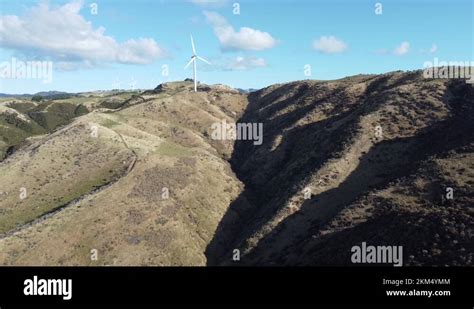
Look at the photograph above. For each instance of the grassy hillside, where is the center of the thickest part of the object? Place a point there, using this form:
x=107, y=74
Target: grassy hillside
x=23, y=118
x=150, y=190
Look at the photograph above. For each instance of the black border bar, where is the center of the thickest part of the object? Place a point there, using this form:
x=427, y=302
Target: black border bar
x=239, y=285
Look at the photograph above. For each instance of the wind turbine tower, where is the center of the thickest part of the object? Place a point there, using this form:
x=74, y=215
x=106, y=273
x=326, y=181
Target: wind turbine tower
x=193, y=61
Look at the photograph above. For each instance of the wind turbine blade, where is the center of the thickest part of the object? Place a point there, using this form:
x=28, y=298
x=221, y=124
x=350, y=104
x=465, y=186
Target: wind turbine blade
x=187, y=65
x=202, y=59
x=192, y=44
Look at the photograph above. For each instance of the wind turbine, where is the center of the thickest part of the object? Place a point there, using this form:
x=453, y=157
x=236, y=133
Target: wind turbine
x=193, y=61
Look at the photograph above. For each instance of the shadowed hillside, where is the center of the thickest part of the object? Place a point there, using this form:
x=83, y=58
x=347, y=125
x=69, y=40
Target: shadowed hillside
x=377, y=154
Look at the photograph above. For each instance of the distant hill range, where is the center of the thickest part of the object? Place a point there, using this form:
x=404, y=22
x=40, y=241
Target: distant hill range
x=249, y=90
x=44, y=94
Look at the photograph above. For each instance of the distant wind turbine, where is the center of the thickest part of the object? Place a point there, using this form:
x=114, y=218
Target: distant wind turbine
x=193, y=61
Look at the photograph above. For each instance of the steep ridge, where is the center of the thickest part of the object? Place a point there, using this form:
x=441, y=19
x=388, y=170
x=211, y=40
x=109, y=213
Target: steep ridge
x=361, y=146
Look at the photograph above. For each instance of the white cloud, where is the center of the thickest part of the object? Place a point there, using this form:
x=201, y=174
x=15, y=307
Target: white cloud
x=329, y=45
x=209, y=3
x=238, y=63
x=244, y=39
x=432, y=50
x=402, y=49
x=382, y=51
x=62, y=34
x=244, y=63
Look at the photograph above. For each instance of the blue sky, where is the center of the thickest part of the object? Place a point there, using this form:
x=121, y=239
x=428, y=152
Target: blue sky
x=129, y=42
